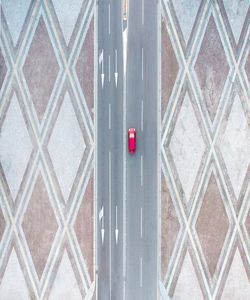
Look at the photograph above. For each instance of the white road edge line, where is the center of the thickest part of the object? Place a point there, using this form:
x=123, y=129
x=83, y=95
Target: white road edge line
x=109, y=116
x=142, y=63
x=142, y=170
x=109, y=68
x=141, y=222
x=141, y=272
x=110, y=265
x=109, y=18
x=96, y=239
x=142, y=115
x=142, y=11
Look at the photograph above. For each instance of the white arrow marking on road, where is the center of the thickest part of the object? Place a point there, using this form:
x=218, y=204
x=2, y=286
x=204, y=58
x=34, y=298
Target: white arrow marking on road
x=101, y=61
x=116, y=73
x=101, y=57
x=116, y=229
x=101, y=214
x=101, y=218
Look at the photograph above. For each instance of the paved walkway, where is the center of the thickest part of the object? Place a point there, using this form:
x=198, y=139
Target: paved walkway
x=46, y=149
x=205, y=204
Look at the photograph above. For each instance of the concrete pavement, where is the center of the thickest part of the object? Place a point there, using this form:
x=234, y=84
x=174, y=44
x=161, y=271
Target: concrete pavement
x=141, y=110
x=130, y=200
x=110, y=154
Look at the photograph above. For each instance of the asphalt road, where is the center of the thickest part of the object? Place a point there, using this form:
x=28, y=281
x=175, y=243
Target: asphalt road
x=141, y=189
x=110, y=151
x=127, y=184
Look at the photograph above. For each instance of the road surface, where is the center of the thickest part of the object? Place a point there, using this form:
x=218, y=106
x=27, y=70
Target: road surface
x=141, y=189
x=110, y=151
x=127, y=184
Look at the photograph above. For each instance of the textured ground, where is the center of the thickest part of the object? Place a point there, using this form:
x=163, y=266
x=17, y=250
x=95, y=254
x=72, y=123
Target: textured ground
x=205, y=203
x=46, y=149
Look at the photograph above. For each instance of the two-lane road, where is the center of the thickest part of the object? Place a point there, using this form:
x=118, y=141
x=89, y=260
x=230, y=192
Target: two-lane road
x=142, y=172
x=110, y=151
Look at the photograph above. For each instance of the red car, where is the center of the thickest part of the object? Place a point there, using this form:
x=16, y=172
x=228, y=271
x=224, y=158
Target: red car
x=131, y=140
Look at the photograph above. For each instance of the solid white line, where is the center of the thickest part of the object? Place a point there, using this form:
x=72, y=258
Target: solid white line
x=141, y=170
x=109, y=18
x=141, y=222
x=142, y=63
x=142, y=115
x=109, y=68
x=142, y=11
x=141, y=272
x=124, y=259
x=125, y=48
x=159, y=135
x=109, y=116
x=110, y=286
x=96, y=240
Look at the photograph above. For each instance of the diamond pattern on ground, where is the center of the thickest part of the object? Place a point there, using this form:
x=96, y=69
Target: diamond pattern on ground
x=169, y=227
x=39, y=225
x=169, y=67
x=15, y=146
x=2, y=224
x=212, y=225
x=15, y=16
x=187, y=286
x=247, y=223
x=13, y=285
x=186, y=12
x=67, y=14
x=212, y=68
x=237, y=285
x=247, y=67
x=66, y=146
x=84, y=227
x=3, y=68
x=236, y=13
x=187, y=146
x=65, y=285
x=41, y=68
x=235, y=145
x=85, y=67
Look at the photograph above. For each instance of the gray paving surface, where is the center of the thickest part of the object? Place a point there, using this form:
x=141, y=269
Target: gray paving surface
x=110, y=151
